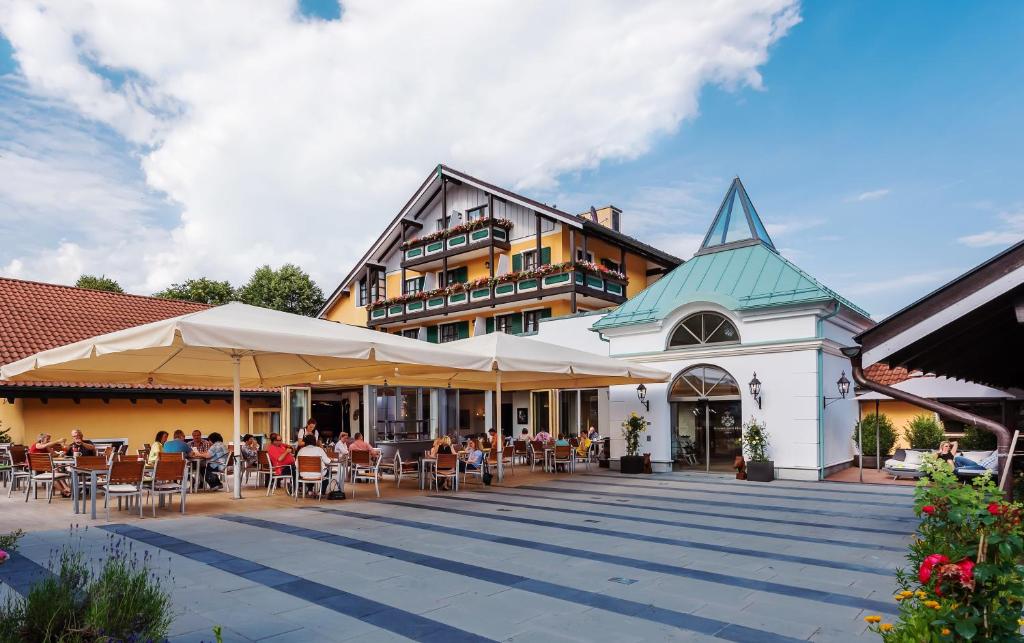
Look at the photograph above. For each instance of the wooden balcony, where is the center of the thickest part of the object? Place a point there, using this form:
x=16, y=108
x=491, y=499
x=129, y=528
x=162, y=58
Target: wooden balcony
x=599, y=289
x=429, y=255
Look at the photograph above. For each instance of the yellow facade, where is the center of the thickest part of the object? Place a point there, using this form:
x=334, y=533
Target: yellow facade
x=899, y=413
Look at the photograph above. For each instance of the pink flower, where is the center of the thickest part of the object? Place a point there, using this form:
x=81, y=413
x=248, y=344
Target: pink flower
x=925, y=573
x=3, y=556
x=928, y=509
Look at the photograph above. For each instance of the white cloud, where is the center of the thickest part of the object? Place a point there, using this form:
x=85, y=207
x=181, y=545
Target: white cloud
x=293, y=140
x=1011, y=232
x=788, y=227
x=894, y=283
x=872, y=195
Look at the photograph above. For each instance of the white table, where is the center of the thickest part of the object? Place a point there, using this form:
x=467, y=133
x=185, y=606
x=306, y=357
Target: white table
x=425, y=464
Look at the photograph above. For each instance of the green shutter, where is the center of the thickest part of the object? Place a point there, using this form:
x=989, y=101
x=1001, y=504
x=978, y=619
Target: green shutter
x=517, y=323
x=546, y=313
x=490, y=325
x=461, y=275
x=517, y=262
x=462, y=328
x=432, y=334
x=545, y=256
x=422, y=279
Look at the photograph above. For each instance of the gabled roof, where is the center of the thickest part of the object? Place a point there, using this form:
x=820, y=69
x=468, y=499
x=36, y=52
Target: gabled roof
x=736, y=267
x=429, y=190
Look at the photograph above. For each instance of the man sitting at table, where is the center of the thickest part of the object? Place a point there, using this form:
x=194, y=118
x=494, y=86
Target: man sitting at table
x=359, y=444
x=178, y=444
x=198, y=443
x=310, y=448
x=79, y=445
x=280, y=455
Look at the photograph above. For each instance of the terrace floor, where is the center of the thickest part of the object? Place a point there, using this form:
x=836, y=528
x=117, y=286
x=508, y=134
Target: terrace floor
x=588, y=557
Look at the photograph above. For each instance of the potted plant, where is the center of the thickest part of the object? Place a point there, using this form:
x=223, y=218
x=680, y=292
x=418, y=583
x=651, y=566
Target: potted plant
x=873, y=454
x=755, y=447
x=632, y=427
x=924, y=432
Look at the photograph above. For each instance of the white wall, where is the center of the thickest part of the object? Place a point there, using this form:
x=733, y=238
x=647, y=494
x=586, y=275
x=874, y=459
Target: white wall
x=464, y=197
x=573, y=332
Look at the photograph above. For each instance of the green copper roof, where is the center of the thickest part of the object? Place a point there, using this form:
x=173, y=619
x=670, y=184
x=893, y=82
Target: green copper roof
x=743, y=278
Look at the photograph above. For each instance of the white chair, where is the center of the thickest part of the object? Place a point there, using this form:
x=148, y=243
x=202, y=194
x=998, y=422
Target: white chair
x=40, y=466
x=169, y=477
x=399, y=468
x=274, y=476
x=124, y=481
x=476, y=472
x=18, y=455
x=584, y=457
x=310, y=472
x=227, y=474
x=366, y=466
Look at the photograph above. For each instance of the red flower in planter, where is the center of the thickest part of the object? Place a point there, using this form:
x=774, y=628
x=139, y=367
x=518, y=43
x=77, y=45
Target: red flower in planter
x=995, y=509
x=928, y=509
x=925, y=573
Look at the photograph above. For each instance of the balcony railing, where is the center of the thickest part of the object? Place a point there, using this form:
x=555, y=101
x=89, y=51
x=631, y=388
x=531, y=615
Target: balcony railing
x=586, y=279
x=474, y=233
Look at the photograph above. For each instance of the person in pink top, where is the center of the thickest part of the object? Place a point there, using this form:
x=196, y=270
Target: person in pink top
x=359, y=444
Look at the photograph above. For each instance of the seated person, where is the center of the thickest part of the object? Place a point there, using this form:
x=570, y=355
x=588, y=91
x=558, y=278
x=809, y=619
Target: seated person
x=44, y=444
x=446, y=446
x=947, y=452
x=216, y=461
x=584, y=446
x=341, y=446
x=178, y=444
x=592, y=434
x=249, y=449
x=359, y=444
x=79, y=445
x=561, y=441
x=280, y=455
x=524, y=434
x=310, y=448
x=199, y=444
x=432, y=453
x=156, y=448
x=543, y=436
x=474, y=457
x=965, y=464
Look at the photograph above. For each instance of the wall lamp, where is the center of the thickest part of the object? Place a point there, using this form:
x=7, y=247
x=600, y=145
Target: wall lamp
x=843, y=384
x=641, y=393
x=755, y=390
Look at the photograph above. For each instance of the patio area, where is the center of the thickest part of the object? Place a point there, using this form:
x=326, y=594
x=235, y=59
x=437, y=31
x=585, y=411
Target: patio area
x=588, y=557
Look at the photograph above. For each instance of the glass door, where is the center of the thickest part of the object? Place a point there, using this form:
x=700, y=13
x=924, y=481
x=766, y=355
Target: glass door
x=297, y=405
x=707, y=417
x=541, y=412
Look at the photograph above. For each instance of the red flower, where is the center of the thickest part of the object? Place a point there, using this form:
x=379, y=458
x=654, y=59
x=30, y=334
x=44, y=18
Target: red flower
x=925, y=573
x=995, y=509
x=966, y=570
x=928, y=509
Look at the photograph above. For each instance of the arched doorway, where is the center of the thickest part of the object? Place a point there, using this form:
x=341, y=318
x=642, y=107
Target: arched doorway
x=707, y=419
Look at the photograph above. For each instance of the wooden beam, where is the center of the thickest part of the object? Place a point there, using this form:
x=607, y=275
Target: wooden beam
x=540, y=282
x=444, y=225
x=572, y=258
x=490, y=249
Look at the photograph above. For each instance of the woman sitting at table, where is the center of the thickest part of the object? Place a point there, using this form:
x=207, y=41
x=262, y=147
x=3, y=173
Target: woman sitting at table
x=156, y=448
x=249, y=449
x=43, y=444
x=432, y=453
x=561, y=441
x=584, y=445
x=216, y=461
x=446, y=446
x=474, y=457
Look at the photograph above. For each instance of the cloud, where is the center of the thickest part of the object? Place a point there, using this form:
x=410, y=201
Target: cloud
x=872, y=195
x=1011, y=232
x=788, y=227
x=281, y=138
x=893, y=283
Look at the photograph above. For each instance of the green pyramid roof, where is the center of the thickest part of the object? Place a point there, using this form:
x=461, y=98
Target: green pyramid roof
x=740, y=270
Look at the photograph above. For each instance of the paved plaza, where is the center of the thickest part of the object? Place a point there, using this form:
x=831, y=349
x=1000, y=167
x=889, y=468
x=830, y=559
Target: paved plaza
x=595, y=557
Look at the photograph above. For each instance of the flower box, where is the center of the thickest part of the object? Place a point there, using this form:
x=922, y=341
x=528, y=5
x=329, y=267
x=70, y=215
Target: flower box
x=507, y=288
x=613, y=288
x=414, y=306
x=554, y=280
x=456, y=241
x=526, y=285
x=412, y=253
x=580, y=278
x=479, y=293
x=378, y=313
x=500, y=234
x=396, y=310
x=595, y=282
x=435, y=302
x=479, y=235
x=433, y=248
x=457, y=298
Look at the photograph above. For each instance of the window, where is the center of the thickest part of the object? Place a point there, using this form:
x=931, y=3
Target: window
x=531, y=319
x=443, y=223
x=378, y=285
x=611, y=265
x=411, y=333
x=450, y=332
x=704, y=382
x=704, y=328
x=455, y=275
x=530, y=260
x=414, y=285
x=361, y=298
x=584, y=256
x=504, y=324
x=476, y=213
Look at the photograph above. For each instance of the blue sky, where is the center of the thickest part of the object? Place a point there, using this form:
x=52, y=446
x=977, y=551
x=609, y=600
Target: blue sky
x=882, y=150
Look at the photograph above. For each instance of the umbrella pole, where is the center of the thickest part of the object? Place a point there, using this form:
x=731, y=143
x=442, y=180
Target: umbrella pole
x=236, y=404
x=499, y=435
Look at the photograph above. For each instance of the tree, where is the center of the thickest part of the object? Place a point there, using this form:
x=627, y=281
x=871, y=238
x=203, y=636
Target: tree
x=202, y=290
x=924, y=432
x=288, y=289
x=102, y=282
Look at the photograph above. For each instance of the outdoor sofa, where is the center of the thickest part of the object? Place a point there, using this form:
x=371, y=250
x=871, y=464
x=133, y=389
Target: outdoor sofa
x=906, y=463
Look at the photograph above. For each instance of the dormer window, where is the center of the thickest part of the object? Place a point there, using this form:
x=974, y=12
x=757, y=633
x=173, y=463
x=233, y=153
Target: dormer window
x=704, y=328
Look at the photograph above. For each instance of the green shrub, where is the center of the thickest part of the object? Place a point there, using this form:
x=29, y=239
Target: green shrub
x=976, y=439
x=632, y=427
x=924, y=432
x=886, y=434
x=965, y=581
x=123, y=601
x=755, y=441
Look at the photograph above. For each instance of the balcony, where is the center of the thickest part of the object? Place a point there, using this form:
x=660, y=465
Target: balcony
x=593, y=285
x=467, y=241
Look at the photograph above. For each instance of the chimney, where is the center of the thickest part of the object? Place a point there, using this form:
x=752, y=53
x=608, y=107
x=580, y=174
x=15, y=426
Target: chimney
x=609, y=216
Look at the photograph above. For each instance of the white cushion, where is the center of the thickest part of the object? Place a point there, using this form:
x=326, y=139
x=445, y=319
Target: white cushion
x=900, y=464
x=49, y=476
x=977, y=456
x=913, y=459
x=122, y=488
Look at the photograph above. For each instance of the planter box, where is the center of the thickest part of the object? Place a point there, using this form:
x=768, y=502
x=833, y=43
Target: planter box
x=479, y=235
x=526, y=285
x=414, y=306
x=761, y=471
x=436, y=302
x=554, y=280
x=613, y=288
x=378, y=313
x=500, y=234
x=506, y=288
x=595, y=282
x=396, y=310
x=412, y=253
x=436, y=246
x=872, y=462
x=456, y=241
x=457, y=298
x=479, y=293
x=631, y=464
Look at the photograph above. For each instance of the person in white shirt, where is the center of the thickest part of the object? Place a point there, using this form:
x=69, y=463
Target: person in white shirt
x=310, y=448
x=309, y=429
x=341, y=448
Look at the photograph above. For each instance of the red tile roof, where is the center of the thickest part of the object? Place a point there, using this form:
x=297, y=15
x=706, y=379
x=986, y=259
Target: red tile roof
x=886, y=376
x=35, y=316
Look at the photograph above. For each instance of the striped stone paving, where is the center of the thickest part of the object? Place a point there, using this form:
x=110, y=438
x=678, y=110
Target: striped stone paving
x=595, y=557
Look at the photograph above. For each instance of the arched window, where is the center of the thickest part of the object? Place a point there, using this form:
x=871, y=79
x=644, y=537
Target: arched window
x=704, y=328
x=704, y=382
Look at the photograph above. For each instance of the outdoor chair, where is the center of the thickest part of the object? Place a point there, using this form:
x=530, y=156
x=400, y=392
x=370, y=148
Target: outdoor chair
x=6, y=467
x=312, y=467
x=104, y=450
x=90, y=462
x=582, y=457
x=366, y=467
x=477, y=472
x=227, y=474
x=521, y=451
x=261, y=468
x=124, y=481
x=18, y=454
x=447, y=467
x=40, y=466
x=169, y=477
x=273, y=477
x=563, y=455
x=399, y=467
x=160, y=457
x=537, y=450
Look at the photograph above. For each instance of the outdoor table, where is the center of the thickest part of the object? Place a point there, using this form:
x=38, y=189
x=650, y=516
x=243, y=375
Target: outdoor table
x=342, y=468
x=426, y=464
x=81, y=472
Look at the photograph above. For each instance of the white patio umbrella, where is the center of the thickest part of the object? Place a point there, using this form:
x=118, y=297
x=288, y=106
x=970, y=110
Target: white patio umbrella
x=239, y=345
x=521, y=363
